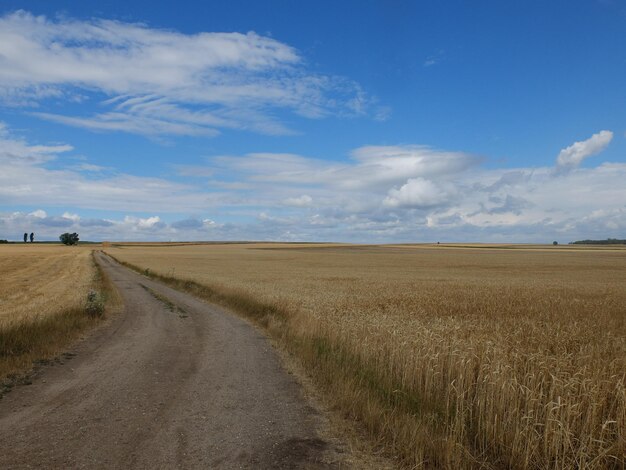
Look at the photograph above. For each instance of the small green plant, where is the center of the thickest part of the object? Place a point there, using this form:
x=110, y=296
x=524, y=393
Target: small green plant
x=95, y=304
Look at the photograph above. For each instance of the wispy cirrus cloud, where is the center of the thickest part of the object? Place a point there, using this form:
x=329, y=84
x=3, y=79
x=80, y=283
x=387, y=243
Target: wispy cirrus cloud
x=370, y=166
x=26, y=179
x=158, y=81
x=435, y=58
x=14, y=151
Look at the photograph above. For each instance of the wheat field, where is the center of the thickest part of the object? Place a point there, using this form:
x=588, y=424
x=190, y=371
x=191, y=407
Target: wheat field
x=450, y=356
x=43, y=288
x=40, y=280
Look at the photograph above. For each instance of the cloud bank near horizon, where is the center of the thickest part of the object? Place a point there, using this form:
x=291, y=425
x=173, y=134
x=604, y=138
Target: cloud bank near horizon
x=380, y=194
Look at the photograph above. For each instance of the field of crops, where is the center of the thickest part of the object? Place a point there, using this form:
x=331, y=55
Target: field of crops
x=452, y=356
x=42, y=280
x=43, y=289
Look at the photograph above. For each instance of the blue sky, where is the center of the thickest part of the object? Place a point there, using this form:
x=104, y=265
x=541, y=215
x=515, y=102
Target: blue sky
x=348, y=121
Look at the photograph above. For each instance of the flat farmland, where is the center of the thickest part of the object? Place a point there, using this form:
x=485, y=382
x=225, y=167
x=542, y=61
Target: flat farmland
x=43, y=289
x=453, y=356
x=40, y=280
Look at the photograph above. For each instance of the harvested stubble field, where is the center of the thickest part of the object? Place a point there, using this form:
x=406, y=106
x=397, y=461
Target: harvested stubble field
x=43, y=289
x=452, y=357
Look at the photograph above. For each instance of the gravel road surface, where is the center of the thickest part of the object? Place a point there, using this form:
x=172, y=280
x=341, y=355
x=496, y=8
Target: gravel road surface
x=172, y=382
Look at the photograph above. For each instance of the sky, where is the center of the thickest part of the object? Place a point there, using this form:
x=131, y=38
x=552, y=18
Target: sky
x=352, y=121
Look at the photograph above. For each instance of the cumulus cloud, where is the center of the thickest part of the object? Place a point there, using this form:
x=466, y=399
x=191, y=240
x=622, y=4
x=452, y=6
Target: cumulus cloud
x=418, y=193
x=148, y=223
x=572, y=156
x=440, y=191
x=164, y=82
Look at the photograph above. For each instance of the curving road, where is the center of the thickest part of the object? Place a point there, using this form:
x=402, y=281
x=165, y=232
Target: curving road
x=172, y=382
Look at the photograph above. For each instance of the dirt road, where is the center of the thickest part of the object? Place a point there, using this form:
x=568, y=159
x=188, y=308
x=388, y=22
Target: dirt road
x=171, y=383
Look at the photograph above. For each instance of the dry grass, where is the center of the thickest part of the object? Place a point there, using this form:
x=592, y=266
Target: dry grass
x=43, y=292
x=452, y=357
x=42, y=279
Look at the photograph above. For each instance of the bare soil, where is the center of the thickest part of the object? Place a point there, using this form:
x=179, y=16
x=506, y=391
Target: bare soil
x=172, y=382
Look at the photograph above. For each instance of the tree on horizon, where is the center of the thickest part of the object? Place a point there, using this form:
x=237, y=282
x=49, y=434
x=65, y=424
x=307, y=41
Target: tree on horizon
x=69, y=238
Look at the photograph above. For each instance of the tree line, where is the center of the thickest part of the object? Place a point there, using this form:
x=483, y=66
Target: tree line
x=66, y=238
x=608, y=241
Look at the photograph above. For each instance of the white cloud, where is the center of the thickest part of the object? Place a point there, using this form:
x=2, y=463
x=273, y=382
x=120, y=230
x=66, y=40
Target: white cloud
x=375, y=196
x=25, y=180
x=418, y=193
x=384, y=193
x=15, y=151
x=122, y=58
x=161, y=81
x=72, y=217
x=572, y=156
x=372, y=167
x=39, y=213
x=385, y=165
x=148, y=223
x=131, y=123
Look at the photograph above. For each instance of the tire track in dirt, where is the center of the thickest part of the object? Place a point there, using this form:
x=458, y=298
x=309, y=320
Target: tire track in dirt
x=159, y=389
